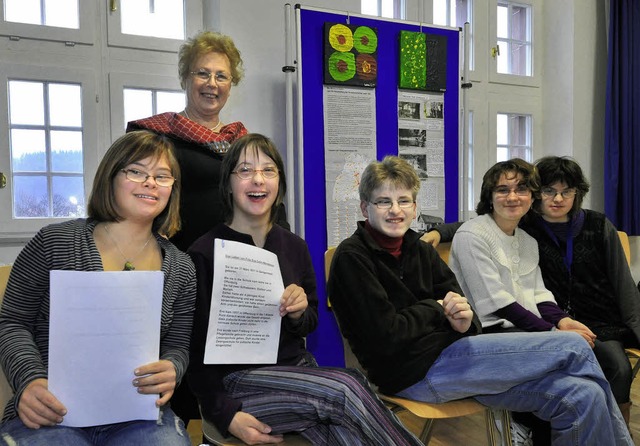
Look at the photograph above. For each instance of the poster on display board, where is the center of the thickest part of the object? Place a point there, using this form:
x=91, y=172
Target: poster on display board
x=341, y=128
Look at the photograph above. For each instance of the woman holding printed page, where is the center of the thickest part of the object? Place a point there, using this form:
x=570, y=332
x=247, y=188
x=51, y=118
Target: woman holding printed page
x=134, y=206
x=259, y=403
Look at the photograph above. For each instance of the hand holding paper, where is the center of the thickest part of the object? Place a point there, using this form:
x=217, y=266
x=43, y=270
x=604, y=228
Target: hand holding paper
x=293, y=302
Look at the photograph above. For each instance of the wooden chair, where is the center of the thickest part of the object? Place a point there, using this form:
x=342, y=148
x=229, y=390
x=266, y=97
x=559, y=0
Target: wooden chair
x=5, y=389
x=427, y=411
x=632, y=353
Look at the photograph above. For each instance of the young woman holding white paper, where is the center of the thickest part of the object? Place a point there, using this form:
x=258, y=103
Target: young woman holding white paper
x=134, y=206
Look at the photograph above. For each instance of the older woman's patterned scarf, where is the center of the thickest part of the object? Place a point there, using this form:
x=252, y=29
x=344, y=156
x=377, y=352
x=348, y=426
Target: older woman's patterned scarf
x=177, y=126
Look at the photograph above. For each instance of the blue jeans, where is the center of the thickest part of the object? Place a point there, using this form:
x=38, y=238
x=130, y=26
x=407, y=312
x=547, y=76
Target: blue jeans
x=167, y=431
x=552, y=374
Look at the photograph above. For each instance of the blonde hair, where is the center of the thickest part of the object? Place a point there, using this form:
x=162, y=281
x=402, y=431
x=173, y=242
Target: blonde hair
x=207, y=42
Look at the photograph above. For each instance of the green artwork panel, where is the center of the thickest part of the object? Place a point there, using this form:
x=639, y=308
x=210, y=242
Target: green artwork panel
x=350, y=55
x=413, y=60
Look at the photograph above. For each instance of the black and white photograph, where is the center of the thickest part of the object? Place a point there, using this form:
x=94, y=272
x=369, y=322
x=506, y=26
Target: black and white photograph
x=409, y=110
x=418, y=161
x=412, y=137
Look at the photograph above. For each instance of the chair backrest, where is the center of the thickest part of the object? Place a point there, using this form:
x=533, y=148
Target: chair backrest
x=626, y=246
x=444, y=249
x=5, y=389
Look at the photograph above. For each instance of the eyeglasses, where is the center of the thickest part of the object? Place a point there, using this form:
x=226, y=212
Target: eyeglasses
x=246, y=173
x=137, y=176
x=550, y=192
x=388, y=204
x=503, y=191
x=221, y=78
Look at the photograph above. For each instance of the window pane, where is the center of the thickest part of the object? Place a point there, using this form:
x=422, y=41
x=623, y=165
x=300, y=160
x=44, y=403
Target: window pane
x=26, y=102
x=30, y=196
x=369, y=7
x=62, y=13
x=65, y=107
x=23, y=11
x=66, y=151
x=68, y=197
x=520, y=57
x=502, y=129
x=503, y=154
x=170, y=101
x=503, y=58
x=503, y=21
x=519, y=23
x=28, y=150
x=440, y=12
x=153, y=18
x=387, y=9
x=138, y=104
x=462, y=12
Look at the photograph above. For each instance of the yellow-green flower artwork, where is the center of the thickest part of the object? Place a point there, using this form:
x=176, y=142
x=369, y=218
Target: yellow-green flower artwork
x=350, y=54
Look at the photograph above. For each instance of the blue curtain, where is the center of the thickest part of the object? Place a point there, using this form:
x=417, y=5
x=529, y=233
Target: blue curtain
x=622, y=118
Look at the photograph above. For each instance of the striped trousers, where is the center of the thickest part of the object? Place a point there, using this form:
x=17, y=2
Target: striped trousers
x=328, y=406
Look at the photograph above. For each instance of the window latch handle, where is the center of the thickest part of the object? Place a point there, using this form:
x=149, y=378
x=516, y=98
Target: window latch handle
x=495, y=51
x=3, y=180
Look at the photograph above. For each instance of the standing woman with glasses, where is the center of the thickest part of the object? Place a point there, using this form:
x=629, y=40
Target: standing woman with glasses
x=209, y=65
x=584, y=266
x=134, y=204
x=259, y=403
x=496, y=262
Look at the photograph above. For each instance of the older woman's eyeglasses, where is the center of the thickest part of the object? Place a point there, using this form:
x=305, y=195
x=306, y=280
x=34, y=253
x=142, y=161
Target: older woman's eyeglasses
x=220, y=77
x=550, y=192
x=503, y=191
x=138, y=176
x=388, y=204
x=246, y=173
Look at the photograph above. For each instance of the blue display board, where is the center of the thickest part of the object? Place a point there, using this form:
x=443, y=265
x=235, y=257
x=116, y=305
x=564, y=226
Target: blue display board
x=326, y=342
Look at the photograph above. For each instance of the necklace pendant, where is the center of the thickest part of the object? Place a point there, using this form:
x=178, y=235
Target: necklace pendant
x=128, y=266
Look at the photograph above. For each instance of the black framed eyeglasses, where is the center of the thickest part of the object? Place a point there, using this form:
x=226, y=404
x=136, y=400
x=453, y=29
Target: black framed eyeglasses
x=138, y=176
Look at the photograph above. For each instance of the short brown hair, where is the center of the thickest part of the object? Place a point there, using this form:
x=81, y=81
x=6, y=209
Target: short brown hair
x=207, y=42
x=516, y=166
x=257, y=143
x=392, y=168
x=129, y=148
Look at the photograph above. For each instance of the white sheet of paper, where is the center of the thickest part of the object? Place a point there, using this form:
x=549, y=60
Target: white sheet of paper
x=103, y=325
x=244, y=322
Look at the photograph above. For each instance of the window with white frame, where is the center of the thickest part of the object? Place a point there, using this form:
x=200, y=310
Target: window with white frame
x=69, y=21
x=455, y=13
x=151, y=24
x=45, y=125
x=141, y=103
x=513, y=136
x=60, y=13
x=514, y=39
x=393, y=9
